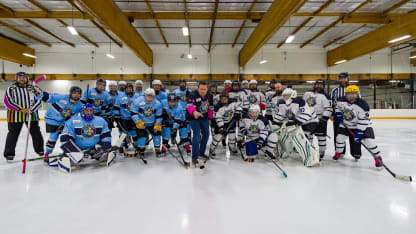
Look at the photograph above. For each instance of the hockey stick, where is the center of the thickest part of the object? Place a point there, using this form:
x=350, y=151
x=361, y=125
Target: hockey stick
x=186, y=164
x=400, y=177
x=130, y=141
x=42, y=158
x=280, y=168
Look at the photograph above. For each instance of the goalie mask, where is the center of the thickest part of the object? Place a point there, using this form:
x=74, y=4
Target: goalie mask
x=87, y=112
x=288, y=94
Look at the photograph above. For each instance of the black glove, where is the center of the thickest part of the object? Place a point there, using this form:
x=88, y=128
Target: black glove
x=323, y=120
x=238, y=115
x=222, y=131
x=90, y=101
x=60, y=128
x=98, y=153
x=174, y=133
x=259, y=145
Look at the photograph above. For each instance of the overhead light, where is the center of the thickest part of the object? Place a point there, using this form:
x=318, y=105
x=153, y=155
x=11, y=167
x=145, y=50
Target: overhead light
x=110, y=56
x=263, y=61
x=191, y=83
x=353, y=81
x=399, y=38
x=29, y=55
x=310, y=81
x=290, y=38
x=412, y=57
x=394, y=81
x=72, y=30
x=185, y=31
x=341, y=61
x=189, y=56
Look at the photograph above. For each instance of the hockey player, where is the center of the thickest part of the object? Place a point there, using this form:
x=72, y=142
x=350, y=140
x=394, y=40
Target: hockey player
x=173, y=121
x=254, y=127
x=227, y=85
x=225, y=117
x=98, y=97
x=297, y=121
x=62, y=108
x=139, y=89
x=112, y=86
x=215, y=95
x=157, y=87
x=238, y=95
x=244, y=85
x=84, y=134
x=255, y=96
x=147, y=115
x=353, y=116
x=121, y=85
x=337, y=93
x=272, y=98
x=321, y=103
x=122, y=114
x=182, y=93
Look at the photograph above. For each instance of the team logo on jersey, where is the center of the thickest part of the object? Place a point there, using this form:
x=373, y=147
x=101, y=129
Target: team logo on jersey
x=228, y=114
x=215, y=102
x=349, y=115
x=289, y=114
x=311, y=101
x=148, y=111
x=183, y=97
x=66, y=112
x=252, y=99
x=253, y=129
x=98, y=102
x=130, y=103
x=88, y=131
x=204, y=107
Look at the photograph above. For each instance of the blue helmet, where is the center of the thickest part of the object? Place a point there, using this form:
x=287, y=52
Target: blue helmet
x=74, y=89
x=87, y=106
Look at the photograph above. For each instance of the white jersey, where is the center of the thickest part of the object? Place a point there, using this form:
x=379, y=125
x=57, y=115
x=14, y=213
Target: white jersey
x=240, y=97
x=355, y=115
x=256, y=97
x=272, y=100
x=254, y=129
x=225, y=113
x=320, y=102
x=297, y=110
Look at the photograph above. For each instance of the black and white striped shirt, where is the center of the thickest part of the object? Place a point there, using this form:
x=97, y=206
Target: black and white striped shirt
x=336, y=94
x=19, y=98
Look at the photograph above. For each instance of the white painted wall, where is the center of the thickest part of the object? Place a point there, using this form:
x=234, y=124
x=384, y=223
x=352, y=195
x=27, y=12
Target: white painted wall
x=223, y=59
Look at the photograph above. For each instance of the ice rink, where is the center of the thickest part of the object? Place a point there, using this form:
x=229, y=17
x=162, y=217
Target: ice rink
x=229, y=196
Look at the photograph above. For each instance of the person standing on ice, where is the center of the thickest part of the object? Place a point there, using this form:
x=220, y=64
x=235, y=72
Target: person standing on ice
x=113, y=92
x=62, y=108
x=22, y=105
x=200, y=110
x=98, y=97
x=122, y=86
x=139, y=89
x=352, y=115
x=157, y=87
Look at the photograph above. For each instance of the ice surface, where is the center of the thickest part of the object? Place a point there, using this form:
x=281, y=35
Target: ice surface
x=229, y=196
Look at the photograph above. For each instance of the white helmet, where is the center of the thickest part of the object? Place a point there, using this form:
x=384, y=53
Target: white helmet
x=112, y=83
x=156, y=82
x=138, y=82
x=244, y=82
x=252, y=82
x=291, y=92
x=227, y=82
x=122, y=82
x=254, y=108
x=150, y=92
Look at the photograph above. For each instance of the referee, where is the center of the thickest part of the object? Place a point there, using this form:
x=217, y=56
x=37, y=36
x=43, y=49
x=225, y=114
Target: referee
x=343, y=79
x=20, y=107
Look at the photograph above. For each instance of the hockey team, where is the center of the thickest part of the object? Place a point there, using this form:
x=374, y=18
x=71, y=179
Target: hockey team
x=275, y=123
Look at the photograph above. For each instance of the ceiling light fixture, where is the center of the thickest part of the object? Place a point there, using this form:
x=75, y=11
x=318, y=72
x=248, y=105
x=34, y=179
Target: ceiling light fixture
x=72, y=30
x=341, y=61
x=412, y=57
x=290, y=38
x=185, y=31
x=399, y=39
x=29, y=55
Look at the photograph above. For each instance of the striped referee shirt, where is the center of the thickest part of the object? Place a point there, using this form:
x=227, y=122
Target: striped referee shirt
x=336, y=94
x=19, y=98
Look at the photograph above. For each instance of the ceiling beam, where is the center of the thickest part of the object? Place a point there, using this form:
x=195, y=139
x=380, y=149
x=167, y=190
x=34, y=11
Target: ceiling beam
x=221, y=15
x=187, y=23
x=214, y=16
x=38, y=5
x=79, y=34
x=13, y=51
x=325, y=5
x=334, y=23
x=277, y=15
x=342, y=37
x=395, y=6
x=106, y=33
x=157, y=23
x=110, y=15
x=366, y=19
x=48, y=32
x=25, y=33
x=244, y=23
x=375, y=40
x=72, y=3
x=413, y=61
x=7, y=9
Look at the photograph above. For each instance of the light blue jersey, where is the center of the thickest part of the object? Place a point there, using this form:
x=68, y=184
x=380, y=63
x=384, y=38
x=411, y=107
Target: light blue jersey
x=60, y=109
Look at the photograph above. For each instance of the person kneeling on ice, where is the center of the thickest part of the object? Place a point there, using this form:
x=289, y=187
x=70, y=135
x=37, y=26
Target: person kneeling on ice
x=353, y=116
x=84, y=135
x=226, y=116
x=62, y=108
x=173, y=120
x=254, y=129
x=147, y=115
x=297, y=122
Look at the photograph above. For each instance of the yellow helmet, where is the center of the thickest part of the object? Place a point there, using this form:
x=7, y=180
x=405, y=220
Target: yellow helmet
x=352, y=88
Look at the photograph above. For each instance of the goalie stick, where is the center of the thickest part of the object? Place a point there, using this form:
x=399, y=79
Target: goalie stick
x=400, y=177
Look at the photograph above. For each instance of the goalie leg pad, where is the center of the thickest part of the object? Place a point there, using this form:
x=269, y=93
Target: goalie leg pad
x=111, y=158
x=64, y=164
x=309, y=155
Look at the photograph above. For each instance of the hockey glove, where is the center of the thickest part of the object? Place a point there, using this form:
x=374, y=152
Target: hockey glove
x=259, y=145
x=140, y=124
x=174, y=133
x=338, y=118
x=60, y=128
x=358, y=135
